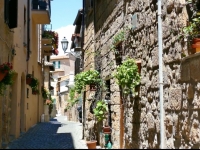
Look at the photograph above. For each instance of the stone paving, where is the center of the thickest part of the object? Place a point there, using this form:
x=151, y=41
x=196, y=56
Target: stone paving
x=58, y=133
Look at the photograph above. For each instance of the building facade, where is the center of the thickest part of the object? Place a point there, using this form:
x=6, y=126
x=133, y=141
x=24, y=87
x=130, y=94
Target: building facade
x=62, y=77
x=22, y=23
x=136, y=123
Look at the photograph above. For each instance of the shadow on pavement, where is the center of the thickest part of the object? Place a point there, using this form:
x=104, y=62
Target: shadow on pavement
x=44, y=136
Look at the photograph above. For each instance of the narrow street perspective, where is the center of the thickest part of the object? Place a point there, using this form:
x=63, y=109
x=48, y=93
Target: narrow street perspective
x=100, y=74
x=58, y=133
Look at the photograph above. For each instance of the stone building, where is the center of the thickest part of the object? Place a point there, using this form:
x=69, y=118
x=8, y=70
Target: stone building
x=21, y=28
x=136, y=124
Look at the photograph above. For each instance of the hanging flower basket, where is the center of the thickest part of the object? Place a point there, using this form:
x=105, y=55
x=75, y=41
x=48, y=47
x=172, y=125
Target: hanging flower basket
x=2, y=75
x=35, y=91
x=4, y=69
x=28, y=79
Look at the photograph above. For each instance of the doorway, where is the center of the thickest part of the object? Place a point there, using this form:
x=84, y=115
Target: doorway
x=22, y=104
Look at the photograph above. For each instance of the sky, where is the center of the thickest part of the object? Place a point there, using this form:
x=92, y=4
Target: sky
x=63, y=14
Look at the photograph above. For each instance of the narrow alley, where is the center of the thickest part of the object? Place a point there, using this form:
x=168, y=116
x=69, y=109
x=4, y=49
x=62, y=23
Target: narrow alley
x=58, y=133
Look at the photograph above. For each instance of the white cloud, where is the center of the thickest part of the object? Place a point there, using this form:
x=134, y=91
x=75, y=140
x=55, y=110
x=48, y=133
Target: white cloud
x=67, y=33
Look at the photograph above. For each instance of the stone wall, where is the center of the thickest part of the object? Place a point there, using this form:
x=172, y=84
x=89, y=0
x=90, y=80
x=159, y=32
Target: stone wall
x=180, y=75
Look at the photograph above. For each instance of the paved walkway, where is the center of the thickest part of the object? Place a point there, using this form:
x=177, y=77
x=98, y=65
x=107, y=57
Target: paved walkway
x=55, y=134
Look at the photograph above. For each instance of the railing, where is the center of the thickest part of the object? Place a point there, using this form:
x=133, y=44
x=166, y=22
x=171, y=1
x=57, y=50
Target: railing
x=42, y=5
x=46, y=27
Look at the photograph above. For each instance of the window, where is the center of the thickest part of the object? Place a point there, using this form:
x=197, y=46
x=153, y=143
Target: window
x=90, y=6
x=118, y=54
x=11, y=13
x=56, y=64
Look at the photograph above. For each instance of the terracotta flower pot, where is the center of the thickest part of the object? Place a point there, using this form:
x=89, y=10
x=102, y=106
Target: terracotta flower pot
x=91, y=144
x=28, y=81
x=106, y=129
x=2, y=75
x=196, y=44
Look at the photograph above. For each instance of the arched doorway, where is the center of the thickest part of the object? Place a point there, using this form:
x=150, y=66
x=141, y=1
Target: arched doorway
x=14, y=107
x=22, y=104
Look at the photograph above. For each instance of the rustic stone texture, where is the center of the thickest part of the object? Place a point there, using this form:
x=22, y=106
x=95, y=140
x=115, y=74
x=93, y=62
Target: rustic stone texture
x=180, y=75
x=185, y=72
x=175, y=98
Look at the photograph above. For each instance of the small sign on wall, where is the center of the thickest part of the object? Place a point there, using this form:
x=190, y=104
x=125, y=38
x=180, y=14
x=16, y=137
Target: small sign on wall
x=134, y=21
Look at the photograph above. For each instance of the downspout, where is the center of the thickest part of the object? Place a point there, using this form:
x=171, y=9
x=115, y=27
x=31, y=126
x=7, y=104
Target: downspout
x=162, y=128
x=28, y=32
x=82, y=43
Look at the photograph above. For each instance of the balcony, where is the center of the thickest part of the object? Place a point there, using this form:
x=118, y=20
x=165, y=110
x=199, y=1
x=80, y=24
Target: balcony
x=41, y=11
x=46, y=41
x=47, y=48
x=47, y=53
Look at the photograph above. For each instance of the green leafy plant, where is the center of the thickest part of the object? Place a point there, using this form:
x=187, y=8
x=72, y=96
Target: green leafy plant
x=119, y=37
x=34, y=83
x=73, y=98
x=127, y=75
x=45, y=93
x=86, y=78
x=100, y=110
x=8, y=79
x=192, y=30
x=35, y=91
x=29, y=76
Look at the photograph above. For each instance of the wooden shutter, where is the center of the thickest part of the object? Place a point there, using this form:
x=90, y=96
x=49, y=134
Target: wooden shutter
x=6, y=11
x=10, y=13
x=13, y=13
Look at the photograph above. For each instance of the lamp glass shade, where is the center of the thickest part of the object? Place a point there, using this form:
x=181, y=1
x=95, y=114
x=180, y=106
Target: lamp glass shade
x=64, y=43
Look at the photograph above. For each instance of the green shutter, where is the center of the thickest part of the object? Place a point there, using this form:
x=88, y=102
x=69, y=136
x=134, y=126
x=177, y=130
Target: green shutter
x=54, y=64
x=58, y=64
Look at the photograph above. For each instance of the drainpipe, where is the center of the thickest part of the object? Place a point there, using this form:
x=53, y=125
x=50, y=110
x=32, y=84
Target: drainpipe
x=82, y=43
x=28, y=32
x=162, y=128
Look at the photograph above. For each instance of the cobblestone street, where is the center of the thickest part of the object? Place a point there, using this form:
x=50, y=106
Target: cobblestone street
x=55, y=134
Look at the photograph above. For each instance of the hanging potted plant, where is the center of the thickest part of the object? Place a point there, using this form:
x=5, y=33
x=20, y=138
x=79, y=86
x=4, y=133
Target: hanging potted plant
x=191, y=32
x=34, y=83
x=101, y=110
x=4, y=69
x=8, y=79
x=35, y=91
x=127, y=75
x=90, y=77
x=28, y=78
x=45, y=93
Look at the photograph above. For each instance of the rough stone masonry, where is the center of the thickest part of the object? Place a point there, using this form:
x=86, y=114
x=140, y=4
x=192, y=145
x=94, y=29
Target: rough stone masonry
x=180, y=73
